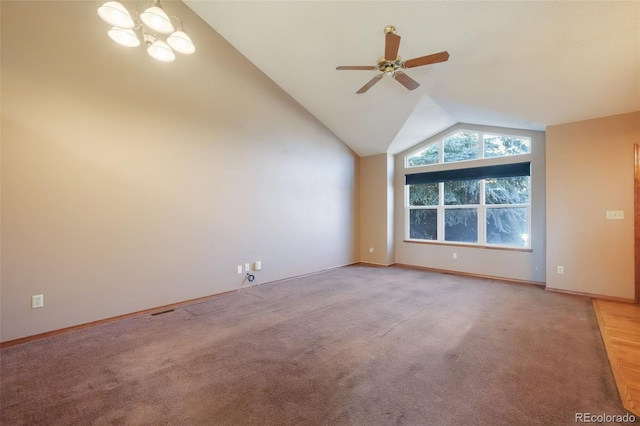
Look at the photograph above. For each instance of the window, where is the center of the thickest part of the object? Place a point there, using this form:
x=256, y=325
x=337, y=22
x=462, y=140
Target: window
x=429, y=155
x=423, y=220
x=507, y=211
x=461, y=200
x=460, y=146
x=469, y=145
x=483, y=211
x=502, y=146
x=484, y=205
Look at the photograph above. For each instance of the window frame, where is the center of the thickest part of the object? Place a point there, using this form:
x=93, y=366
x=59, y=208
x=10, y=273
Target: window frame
x=482, y=207
x=481, y=139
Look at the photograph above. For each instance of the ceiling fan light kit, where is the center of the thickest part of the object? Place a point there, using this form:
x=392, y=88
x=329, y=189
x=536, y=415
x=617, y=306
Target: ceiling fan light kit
x=152, y=23
x=391, y=63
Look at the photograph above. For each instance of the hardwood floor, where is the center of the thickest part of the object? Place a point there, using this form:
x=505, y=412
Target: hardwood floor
x=620, y=328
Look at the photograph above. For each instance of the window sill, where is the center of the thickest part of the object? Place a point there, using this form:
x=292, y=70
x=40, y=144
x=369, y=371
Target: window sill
x=477, y=246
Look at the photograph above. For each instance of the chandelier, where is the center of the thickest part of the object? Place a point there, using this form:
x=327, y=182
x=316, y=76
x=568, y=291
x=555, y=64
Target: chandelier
x=152, y=24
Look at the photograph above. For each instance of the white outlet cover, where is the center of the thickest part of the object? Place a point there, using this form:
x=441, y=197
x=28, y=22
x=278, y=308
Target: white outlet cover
x=37, y=301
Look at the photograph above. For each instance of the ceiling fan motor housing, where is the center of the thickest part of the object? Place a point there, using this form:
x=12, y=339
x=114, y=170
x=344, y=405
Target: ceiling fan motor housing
x=389, y=67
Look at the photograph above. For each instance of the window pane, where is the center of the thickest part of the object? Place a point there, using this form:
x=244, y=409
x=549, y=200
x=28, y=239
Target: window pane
x=502, y=146
x=461, y=146
x=426, y=156
x=507, y=226
x=424, y=194
x=423, y=224
x=513, y=190
x=462, y=192
x=461, y=225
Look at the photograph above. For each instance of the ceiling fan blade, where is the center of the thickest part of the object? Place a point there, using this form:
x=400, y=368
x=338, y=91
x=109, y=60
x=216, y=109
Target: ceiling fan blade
x=405, y=80
x=391, y=46
x=356, y=67
x=371, y=82
x=426, y=60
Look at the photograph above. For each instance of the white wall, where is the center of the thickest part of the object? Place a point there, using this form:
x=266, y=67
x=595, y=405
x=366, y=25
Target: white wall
x=590, y=169
x=376, y=209
x=129, y=184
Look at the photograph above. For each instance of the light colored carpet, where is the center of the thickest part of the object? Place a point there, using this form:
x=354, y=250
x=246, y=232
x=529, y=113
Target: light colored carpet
x=355, y=345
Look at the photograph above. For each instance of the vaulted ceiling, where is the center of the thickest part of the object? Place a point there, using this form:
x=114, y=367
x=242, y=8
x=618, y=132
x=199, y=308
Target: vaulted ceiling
x=522, y=64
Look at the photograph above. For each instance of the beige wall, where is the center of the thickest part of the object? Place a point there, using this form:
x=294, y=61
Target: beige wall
x=511, y=264
x=376, y=209
x=590, y=169
x=128, y=184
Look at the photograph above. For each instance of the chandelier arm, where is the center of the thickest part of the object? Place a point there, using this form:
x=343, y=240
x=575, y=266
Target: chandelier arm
x=181, y=28
x=136, y=15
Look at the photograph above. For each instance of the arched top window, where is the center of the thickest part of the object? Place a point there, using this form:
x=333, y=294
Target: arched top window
x=465, y=145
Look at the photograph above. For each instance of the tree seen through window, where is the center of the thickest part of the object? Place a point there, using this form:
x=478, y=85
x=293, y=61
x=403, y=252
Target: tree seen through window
x=456, y=211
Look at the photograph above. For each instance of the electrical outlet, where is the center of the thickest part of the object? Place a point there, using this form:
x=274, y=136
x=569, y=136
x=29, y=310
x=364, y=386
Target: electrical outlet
x=560, y=270
x=247, y=267
x=239, y=269
x=257, y=265
x=455, y=255
x=370, y=249
x=37, y=301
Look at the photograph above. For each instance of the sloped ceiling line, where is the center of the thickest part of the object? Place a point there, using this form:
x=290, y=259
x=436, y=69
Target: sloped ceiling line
x=526, y=64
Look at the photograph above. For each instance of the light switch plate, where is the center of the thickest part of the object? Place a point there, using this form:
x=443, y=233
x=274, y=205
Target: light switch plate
x=615, y=214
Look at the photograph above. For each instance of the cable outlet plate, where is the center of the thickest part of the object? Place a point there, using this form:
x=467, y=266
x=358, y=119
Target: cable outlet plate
x=37, y=301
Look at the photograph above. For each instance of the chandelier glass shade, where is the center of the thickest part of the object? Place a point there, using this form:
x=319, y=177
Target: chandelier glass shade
x=151, y=24
x=124, y=37
x=180, y=42
x=161, y=51
x=114, y=13
x=156, y=19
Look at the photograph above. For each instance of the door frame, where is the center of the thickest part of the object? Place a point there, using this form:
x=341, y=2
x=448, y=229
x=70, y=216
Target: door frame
x=636, y=220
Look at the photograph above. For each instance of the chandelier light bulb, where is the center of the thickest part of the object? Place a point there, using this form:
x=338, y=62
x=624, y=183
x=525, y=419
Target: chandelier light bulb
x=156, y=18
x=180, y=42
x=115, y=14
x=161, y=51
x=153, y=22
x=124, y=37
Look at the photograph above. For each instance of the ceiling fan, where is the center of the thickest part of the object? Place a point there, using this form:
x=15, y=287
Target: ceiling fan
x=391, y=63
